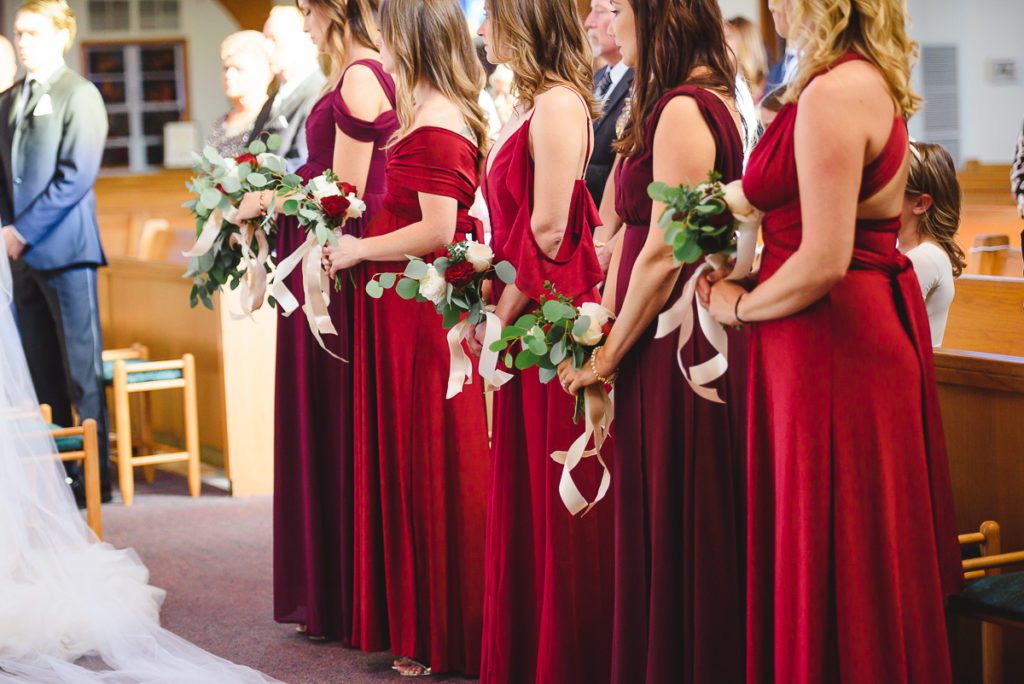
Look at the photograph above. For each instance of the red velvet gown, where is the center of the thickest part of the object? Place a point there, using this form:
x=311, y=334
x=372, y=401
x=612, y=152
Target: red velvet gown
x=547, y=602
x=852, y=546
x=313, y=409
x=431, y=453
x=677, y=472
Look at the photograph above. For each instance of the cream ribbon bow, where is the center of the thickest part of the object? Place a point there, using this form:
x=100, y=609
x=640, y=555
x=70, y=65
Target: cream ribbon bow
x=599, y=410
x=460, y=371
x=680, y=315
x=315, y=287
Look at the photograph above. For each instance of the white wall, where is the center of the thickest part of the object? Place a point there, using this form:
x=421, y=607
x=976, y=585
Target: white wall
x=983, y=30
x=747, y=8
x=204, y=24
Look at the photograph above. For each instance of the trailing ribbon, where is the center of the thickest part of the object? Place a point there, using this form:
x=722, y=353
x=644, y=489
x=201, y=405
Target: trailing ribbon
x=599, y=408
x=253, y=288
x=315, y=286
x=680, y=315
x=460, y=371
x=210, y=231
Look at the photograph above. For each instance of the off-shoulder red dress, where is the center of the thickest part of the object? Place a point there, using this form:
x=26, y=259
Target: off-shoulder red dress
x=426, y=510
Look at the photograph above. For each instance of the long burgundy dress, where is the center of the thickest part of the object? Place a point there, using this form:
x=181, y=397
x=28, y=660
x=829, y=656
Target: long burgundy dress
x=677, y=471
x=431, y=453
x=548, y=575
x=313, y=408
x=852, y=545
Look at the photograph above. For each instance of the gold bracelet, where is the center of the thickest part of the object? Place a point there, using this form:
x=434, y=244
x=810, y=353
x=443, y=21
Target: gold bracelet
x=593, y=368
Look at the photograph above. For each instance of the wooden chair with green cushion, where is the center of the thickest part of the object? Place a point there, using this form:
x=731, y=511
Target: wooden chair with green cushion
x=990, y=596
x=80, y=444
x=128, y=373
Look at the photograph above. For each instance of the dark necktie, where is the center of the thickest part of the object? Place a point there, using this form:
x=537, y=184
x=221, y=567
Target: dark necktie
x=604, y=85
x=27, y=101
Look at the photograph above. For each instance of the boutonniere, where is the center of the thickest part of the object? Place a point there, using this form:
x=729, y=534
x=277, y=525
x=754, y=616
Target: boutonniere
x=45, y=106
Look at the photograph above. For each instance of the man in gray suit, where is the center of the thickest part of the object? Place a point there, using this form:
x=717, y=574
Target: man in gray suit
x=53, y=127
x=293, y=59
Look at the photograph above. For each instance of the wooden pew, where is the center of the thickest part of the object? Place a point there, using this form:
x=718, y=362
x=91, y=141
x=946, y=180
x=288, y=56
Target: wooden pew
x=980, y=375
x=125, y=203
x=988, y=206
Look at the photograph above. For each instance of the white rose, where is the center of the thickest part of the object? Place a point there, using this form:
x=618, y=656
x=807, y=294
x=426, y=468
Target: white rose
x=230, y=164
x=356, y=206
x=433, y=286
x=737, y=201
x=598, y=316
x=480, y=255
x=321, y=187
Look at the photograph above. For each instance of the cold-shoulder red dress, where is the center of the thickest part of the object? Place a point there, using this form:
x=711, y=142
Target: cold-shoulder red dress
x=547, y=603
x=852, y=546
x=426, y=510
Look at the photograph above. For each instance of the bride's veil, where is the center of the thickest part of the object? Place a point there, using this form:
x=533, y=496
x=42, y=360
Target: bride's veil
x=71, y=609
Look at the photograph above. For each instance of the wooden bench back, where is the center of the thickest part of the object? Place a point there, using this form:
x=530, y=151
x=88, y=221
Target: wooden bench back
x=987, y=316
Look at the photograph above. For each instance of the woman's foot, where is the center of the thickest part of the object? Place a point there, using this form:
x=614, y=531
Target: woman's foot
x=301, y=629
x=407, y=667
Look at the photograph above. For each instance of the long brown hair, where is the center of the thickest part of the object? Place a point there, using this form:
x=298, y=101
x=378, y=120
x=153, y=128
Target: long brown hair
x=545, y=44
x=673, y=38
x=825, y=30
x=360, y=16
x=933, y=173
x=430, y=42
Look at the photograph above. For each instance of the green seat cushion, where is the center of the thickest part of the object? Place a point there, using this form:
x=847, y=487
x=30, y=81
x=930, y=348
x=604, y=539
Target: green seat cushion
x=68, y=444
x=1000, y=595
x=148, y=376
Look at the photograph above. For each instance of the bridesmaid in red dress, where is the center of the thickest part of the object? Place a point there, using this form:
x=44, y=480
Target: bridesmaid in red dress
x=432, y=454
x=852, y=548
x=547, y=603
x=678, y=462
x=313, y=505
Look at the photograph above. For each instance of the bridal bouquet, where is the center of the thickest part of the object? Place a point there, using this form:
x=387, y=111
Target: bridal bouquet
x=556, y=331
x=715, y=222
x=227, y=251
x=321, y=207
x=454, y=285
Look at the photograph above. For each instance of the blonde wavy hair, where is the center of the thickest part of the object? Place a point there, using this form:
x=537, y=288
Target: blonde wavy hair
x=430, y=42
x=825, y=30
x=545, y=45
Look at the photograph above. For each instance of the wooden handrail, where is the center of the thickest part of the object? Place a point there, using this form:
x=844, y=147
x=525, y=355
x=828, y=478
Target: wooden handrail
x=1000, y=560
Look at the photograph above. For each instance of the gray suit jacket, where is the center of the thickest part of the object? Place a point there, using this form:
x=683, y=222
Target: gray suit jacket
x=49, y=162
x=287, y=118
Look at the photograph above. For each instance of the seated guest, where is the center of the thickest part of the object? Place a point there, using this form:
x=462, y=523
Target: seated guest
x=1017, y=179
x=8, y=65
x=247, y=76
x=748, y=49
x=930, y=219
x=613, y=82
x=294, y=63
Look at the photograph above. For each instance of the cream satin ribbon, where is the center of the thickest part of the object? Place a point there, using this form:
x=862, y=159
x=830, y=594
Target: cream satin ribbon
x=253, y=288
x=210, y=231
x=599, y=410
x=680, y=315
x=460, y=372
x=315, y=287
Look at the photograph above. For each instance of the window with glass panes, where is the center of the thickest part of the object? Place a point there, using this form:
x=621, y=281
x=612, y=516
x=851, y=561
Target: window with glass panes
x=143, y=86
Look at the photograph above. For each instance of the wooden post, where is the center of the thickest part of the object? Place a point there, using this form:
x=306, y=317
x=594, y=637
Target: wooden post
x=92, y=477
x=991, y=634
x=191, y=425
x=123, y=429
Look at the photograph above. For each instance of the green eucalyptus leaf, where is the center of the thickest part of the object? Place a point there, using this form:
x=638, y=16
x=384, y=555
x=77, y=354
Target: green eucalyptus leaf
x=689, y=253
x=274, y=143
x=558, y=352
x=210, y=197
x=407, y=288
x=526, y=359
x=387, y=280
x=525, y=322
x=553, y=310
x=374, y=289
x=535, y=345
x=547, y=374
x=506, y=272
x=416, y=269
x=213, y=156
x=512, y=332
x=581, y=326
x=257, y=147
x=257, y=180
x=451, y=316
x=290, y=207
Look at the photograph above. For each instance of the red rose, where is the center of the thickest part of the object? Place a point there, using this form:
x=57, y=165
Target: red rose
x=335, y=207
x=460, y=274
x=347, y=188
x=606, y=329
x=247, y=158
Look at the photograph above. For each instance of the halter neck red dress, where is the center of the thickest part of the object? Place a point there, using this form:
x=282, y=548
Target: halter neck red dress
x=852, y=546
x=677, y=485
x=548, y=575
x=313, y=406
x=421, y=461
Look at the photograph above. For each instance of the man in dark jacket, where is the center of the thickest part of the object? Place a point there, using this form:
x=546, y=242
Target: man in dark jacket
x=612, y=85
x=53, y=126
